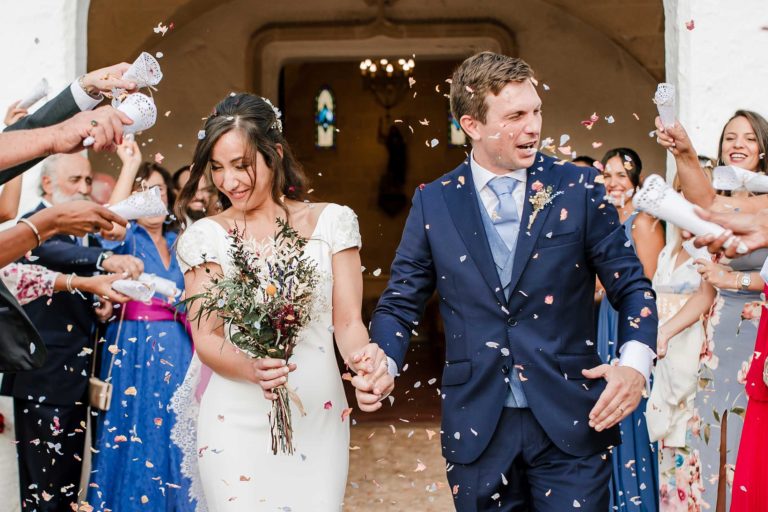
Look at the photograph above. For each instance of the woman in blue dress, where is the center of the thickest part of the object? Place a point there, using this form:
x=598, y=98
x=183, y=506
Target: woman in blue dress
x=635, y=481
x=145, y=354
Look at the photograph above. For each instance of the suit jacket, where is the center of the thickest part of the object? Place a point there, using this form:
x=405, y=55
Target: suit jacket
x=21, y=347
x=546, y=328
x=59, y=109
x=66, y=323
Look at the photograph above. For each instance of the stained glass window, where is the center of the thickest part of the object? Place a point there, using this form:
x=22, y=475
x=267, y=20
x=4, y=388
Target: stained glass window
x=456, y=136
x=325, y=119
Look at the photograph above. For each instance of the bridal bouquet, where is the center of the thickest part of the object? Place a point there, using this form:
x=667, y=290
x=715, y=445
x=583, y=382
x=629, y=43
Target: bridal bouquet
x=264, y=301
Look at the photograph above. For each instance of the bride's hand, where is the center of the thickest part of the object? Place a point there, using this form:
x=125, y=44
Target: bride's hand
x=367, y=359
x=271, y=373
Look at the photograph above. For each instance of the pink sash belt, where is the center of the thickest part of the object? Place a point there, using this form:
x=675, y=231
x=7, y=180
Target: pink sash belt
x=156, y=311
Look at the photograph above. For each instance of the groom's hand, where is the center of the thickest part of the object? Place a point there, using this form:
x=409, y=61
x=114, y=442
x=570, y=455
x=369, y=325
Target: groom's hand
x=372, y=388
x=620, y=397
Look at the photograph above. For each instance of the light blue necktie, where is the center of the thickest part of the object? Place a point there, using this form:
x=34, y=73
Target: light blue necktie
x=507, y=224
x=506, y=221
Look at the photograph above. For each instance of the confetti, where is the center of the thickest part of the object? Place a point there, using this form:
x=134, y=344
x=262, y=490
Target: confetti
x=159, y=158
x=549, y=299
x=690, y=25
x=563, y=214
x=131, y=391
x=328, y=405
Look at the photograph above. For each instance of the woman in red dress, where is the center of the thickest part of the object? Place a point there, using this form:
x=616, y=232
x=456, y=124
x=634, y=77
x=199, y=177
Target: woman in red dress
x=750, y=482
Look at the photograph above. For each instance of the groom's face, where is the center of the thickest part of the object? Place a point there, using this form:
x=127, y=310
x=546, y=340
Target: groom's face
x=508, y=138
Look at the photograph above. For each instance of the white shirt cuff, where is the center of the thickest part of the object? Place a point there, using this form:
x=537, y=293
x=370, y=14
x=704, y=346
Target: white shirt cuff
x=764, y=271
x=83, y=99
x=391, y=367
x=639, y=356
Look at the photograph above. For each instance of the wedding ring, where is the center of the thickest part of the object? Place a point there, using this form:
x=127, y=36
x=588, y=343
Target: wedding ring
x=94, y=122
x=621, y=410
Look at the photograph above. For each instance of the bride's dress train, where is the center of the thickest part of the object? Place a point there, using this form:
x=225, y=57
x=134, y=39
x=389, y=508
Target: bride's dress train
x=222, y=425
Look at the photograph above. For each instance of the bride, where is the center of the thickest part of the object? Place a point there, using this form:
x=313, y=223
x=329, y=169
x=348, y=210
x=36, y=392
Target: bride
x=223, y=405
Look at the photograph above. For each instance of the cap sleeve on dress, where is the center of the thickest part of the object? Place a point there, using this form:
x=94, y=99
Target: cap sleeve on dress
x=198, y=245
x=345, y=231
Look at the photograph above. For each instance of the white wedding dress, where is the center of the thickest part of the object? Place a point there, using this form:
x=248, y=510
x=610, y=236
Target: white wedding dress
x=223, y=427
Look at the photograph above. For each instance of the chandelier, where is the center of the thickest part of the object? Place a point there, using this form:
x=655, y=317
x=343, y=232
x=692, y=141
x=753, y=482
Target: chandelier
x=388, y=80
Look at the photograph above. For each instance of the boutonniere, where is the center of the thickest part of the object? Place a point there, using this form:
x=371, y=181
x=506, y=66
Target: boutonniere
x=542, y=197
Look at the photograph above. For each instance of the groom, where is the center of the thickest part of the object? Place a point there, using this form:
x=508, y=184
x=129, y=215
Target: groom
x=512, y=240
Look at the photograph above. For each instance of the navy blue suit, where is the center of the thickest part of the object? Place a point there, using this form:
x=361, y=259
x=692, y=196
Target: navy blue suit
x=546, y=328
x=56, y=393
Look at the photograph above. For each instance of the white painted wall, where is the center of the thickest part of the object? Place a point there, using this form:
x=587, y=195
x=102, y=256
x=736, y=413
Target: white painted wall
x=40, y=39
x=718, y=67
x=44, y=38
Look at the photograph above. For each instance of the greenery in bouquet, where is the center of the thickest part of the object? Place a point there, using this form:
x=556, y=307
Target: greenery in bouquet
x=264, y=301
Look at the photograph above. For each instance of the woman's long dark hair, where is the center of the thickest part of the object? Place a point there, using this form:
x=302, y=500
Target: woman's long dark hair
x=627, y=156
x=258, y=122
x=760, y=127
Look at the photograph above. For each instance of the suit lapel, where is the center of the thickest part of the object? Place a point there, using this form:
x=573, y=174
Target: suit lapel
x=461, y=197
x=541, y=171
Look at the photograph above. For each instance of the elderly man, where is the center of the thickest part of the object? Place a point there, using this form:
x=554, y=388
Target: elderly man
x=50, y=403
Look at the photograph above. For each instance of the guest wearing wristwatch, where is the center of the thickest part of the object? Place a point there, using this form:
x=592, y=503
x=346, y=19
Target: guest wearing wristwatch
x=50, y=403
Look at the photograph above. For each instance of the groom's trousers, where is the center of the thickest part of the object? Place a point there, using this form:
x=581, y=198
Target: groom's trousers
x=521, y=470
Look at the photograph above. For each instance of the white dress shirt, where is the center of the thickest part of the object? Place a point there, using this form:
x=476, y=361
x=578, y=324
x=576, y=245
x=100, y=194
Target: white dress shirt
x=633, y=353
x=83, y=99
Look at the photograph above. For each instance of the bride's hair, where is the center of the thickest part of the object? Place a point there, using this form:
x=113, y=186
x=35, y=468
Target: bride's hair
x=259, y=122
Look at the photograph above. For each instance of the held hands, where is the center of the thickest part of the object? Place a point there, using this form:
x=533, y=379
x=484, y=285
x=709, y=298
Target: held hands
x=620, y=397
x=373, y=383
x=271, y=373
x=104, y=310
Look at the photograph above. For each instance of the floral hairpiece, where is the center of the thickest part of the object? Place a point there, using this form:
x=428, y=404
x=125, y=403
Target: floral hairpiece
x=277, y=124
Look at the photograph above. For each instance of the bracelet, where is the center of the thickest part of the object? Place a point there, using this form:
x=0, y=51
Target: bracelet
x=31, y=226
x=70, y=277
x=81, y=83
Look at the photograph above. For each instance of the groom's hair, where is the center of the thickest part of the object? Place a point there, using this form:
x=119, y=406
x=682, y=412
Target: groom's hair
x=479, y=75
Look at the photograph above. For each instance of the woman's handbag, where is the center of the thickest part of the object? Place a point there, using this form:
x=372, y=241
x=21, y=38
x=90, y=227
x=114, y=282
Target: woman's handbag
x=100, y=391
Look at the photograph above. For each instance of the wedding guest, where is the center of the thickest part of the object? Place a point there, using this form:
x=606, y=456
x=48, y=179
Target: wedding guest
x=50, y=402
x=682, y=300
x=180, y=178
x=147, y=349
x=31, y=282
x=634, y=460
x=61, y=124
x=750, y=481
x=584, y=161
x=721, y=400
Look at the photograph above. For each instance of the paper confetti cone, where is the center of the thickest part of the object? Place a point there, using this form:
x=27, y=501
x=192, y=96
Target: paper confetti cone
x=696, y=252
x=730, y=177
x=140, y=205
x=660, y=200
x=145, y=71
x=665, y=103
x=142, y=111
x=136, y=290
x=162, y=286
x=39, y=92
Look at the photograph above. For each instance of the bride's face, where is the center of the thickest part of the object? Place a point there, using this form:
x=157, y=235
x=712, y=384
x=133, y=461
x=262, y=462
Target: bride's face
x=245, y=180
